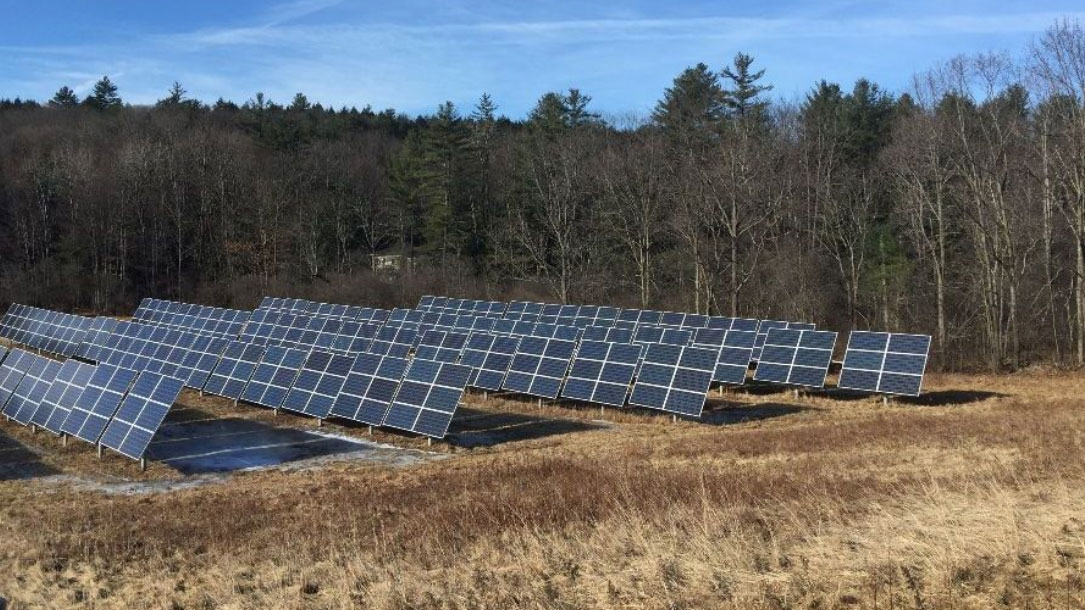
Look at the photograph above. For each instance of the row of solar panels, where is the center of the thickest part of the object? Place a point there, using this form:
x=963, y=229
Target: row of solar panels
x=669, y=377
x=102, y=404
x=201, y=319
x=519, y=314
x=872, y=362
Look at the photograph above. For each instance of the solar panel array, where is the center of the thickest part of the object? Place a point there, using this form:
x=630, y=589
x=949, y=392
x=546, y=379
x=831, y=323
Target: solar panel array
x=44, y=329
x=407, y=368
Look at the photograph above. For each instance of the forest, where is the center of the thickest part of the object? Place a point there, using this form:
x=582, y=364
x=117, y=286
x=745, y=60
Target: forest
x=956, y=208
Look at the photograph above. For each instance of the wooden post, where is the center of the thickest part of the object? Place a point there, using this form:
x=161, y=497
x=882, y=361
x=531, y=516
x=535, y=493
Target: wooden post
x=143, y=464
x=371, y=430
x=99, y=451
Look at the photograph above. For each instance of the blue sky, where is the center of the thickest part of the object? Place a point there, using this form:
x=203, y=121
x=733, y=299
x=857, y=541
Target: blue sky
x=413, y=54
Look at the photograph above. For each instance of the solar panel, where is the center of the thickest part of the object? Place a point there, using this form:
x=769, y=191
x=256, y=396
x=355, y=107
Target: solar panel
x=427, y=397
x=489, y=357
x=11, y=373
x=97, y=403
x=57, y=403
x=141, y=413
x=369, y=388
x=610, y=334
x=318, y=384
x=441, y=346
x=674, y=378
x=661, y=334
x=3, y=353
x=601, y=372
x=200, y=359
x=735, y=348
x=796, y=357
x=233, y=370
x=517, y=310
x=889, y=363
x=97, y=333
x=393, y=341
x=26, y=400
x=539, y=366
x=274, y=375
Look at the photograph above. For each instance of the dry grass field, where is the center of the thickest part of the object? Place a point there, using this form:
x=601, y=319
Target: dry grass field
x=971, y=498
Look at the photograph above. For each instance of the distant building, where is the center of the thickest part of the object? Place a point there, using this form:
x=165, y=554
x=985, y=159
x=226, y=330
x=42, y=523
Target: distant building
x=392, y=263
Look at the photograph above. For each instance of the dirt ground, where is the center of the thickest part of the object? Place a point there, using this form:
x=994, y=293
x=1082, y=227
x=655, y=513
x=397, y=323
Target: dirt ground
x=970, y=497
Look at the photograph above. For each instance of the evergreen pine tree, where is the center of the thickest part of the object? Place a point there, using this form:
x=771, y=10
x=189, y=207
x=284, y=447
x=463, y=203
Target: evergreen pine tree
x=104, y=96
x=694, y=103
x=64, y=98
x=741, y=99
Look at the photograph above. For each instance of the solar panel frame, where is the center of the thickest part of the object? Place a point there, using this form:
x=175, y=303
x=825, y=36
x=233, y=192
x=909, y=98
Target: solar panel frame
x=441, y=345
x=12, y=371
x=57, y=402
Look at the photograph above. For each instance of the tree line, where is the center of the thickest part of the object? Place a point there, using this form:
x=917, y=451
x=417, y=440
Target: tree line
x=956, y=208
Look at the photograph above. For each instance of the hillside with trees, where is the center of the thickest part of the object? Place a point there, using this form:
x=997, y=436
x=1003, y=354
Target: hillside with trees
x=956, y=208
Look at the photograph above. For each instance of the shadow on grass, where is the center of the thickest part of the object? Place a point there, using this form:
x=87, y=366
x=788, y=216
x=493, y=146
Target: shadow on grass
x=948, y=398
x=18, y=462
x=727, y=414
x=197, y=442
x=943, y=398
x=474, y=428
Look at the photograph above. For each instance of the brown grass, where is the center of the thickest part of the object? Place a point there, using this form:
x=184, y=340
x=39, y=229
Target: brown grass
x=974, y=501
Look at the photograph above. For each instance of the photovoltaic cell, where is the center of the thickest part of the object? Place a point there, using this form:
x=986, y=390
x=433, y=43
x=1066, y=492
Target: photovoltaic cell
x=601, y=372
x=888, y=363
x=796, y=357
x=369, y=388
x=674, y=378
x=141, y=413
x=427, y=397
x=98, y=402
